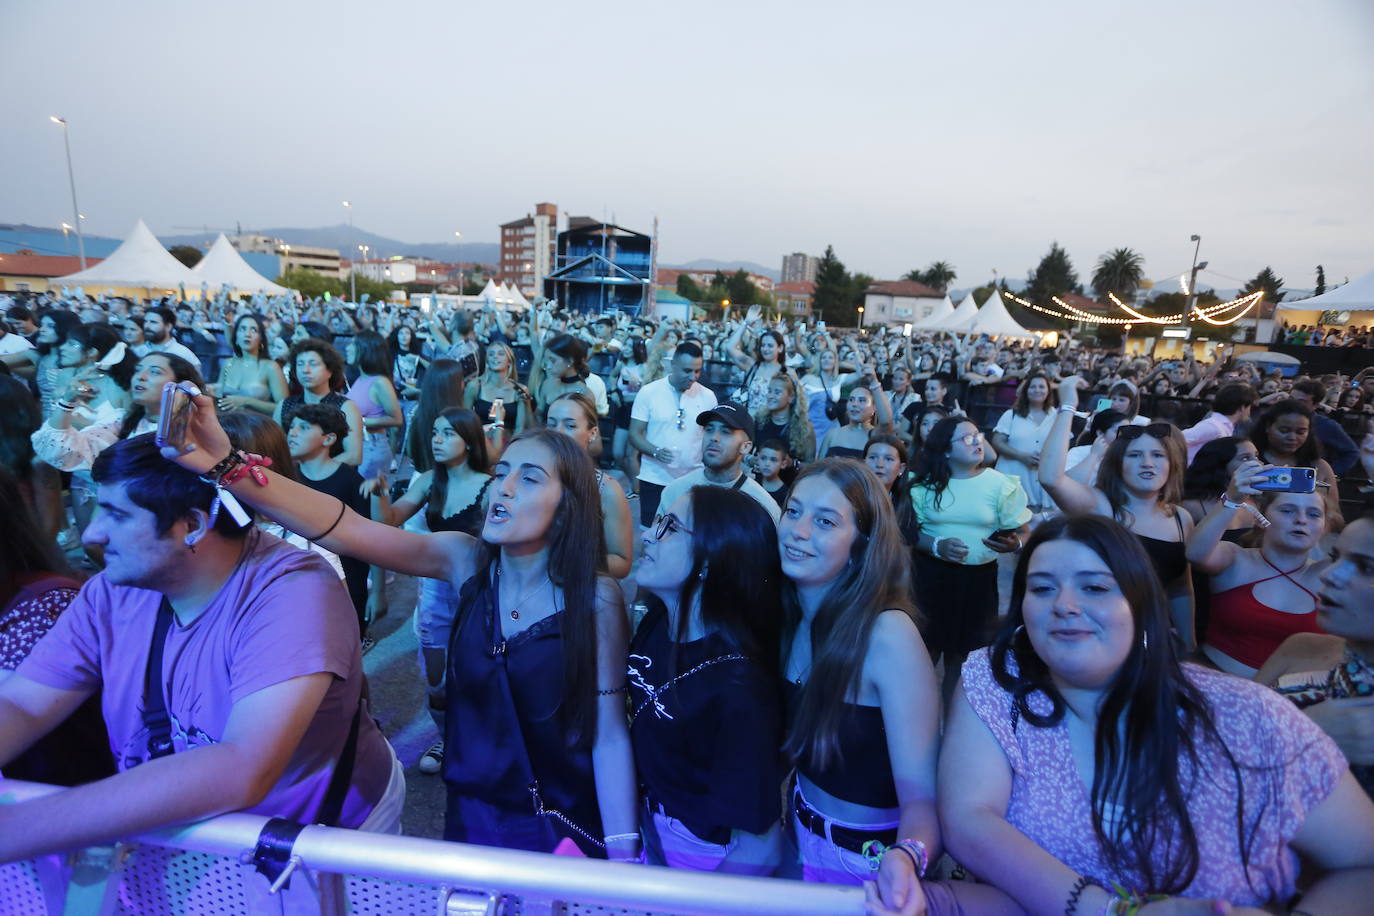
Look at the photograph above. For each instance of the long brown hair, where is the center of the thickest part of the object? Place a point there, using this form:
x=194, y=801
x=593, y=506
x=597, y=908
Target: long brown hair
x=577, y=554
x=877, y=578
x=1022, y=406
x=1110, y=482
x=441, y=387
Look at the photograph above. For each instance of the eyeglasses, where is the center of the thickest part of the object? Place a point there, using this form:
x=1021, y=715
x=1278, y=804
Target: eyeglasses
x=969, y=439
x=1157, y=430
x=669, y=522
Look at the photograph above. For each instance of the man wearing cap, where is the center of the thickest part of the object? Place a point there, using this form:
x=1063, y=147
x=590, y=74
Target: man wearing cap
x=729, y=438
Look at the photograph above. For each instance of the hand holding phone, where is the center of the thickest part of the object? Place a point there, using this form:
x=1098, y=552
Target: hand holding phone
x=175, y=414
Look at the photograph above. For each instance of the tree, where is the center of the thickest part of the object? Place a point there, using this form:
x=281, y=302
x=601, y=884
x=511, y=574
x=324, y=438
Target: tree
x=833, y=293
x=1268, y=281
x=1054, y=276
x=740, y=289
x=1118, y=271
x=1321, y=281
x=689, y=289
x=189, y=255
x=312, y=284
x=938, y=276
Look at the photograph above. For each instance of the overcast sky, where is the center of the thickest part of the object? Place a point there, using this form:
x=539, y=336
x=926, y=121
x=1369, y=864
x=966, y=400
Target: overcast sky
x=899, y=132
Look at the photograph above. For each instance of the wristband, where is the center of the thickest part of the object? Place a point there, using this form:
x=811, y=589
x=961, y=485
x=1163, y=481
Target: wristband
x=1068, y=408
x=935, y=547
x=64, y=406
x=617, y=837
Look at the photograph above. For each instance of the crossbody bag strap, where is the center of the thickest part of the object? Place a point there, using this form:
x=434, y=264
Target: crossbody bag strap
x=332, y=805
x=156, y=719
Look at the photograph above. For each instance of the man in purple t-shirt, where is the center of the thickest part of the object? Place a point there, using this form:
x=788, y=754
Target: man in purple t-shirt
x=261, y=673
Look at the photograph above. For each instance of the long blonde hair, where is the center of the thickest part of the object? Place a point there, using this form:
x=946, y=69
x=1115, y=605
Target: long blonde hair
x=801, y=435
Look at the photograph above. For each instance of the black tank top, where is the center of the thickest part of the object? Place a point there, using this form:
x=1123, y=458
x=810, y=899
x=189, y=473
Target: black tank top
x=861, y=773
x=294, y=402
x=482, y=408
x=504, y=736
x=1170, y=558
x=468, y=521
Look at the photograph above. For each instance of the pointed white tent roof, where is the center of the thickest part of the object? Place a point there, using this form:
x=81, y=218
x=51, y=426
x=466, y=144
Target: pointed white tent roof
x=960, y=318
x=1355, y=296
x=518, y=302
x=941, y=312
x=490, y=294
x=140, y=260
x=223, y=264
x=993, y=318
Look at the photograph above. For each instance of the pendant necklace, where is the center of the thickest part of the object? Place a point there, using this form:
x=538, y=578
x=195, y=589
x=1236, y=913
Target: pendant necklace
x=515, y=608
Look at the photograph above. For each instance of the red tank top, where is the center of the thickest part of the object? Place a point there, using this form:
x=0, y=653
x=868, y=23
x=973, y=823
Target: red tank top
x=1248, y=630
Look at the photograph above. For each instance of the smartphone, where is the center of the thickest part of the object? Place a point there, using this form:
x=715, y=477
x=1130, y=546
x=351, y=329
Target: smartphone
x=496, y=405
x=906, y=330
x=1288, y=480
x=1102, y=404
x=175, y=414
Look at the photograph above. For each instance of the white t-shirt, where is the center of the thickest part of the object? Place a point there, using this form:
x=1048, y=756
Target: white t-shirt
x=657, y=404
x=13, y=343
x=750, y=487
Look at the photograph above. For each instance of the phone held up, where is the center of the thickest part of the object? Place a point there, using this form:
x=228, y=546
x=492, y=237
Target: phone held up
x=1288, y=480
x=175, y=414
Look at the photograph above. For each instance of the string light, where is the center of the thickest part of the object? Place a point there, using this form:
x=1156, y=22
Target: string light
x=1245, y=304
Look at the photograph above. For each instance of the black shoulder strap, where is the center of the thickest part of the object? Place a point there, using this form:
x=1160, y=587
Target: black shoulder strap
x=332, y=805
x=155, y=716
x=739, y=481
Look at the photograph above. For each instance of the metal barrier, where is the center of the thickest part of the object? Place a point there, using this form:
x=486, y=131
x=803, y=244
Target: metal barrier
x=208, y=868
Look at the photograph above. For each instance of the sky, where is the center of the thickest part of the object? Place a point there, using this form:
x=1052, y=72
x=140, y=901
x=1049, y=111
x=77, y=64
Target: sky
x=898, y=132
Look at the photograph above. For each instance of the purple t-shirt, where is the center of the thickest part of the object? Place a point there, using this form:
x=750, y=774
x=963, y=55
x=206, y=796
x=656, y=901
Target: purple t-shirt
x=1289, y=766
x=283, y=613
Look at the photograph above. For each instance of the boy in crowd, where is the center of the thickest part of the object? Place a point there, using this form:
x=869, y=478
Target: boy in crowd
x=770, y=462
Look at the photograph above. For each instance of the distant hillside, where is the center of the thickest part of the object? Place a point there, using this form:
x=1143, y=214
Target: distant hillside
x=726, y=267
x=347, y=241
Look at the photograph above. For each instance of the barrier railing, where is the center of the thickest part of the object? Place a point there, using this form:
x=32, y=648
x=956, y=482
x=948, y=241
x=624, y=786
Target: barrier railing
x=209, y=867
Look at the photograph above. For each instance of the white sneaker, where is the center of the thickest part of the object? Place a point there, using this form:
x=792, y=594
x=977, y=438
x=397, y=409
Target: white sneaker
x=433, y=759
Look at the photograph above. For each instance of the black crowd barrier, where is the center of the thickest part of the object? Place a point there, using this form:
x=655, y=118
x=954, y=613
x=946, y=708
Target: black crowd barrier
x=1324, y=360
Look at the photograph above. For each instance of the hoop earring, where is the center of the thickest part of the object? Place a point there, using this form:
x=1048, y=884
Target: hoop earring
x=1145, y=640
x=1019, y=631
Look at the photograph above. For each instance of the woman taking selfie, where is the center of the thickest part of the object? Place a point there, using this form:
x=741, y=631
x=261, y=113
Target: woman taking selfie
x=1140, y=484
x=1087, y=770
x=537, y=747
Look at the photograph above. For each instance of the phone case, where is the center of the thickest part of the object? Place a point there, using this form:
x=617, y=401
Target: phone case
x=1289, y=480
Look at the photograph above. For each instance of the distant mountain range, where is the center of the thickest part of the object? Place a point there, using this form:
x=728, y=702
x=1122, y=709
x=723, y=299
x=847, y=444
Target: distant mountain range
x=347, y=239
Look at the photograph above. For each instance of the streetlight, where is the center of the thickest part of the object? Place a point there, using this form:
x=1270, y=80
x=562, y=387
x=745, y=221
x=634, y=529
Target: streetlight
x=352, y=282
x=459, y=246
x=1192, y=281
x=71, y=179
x=861, y=318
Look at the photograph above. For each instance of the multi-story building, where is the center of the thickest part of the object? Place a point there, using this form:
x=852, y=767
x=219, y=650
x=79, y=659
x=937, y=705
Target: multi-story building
x=799, y=268
x=897, y=302
x=292, y=257
x=386, y=271
x=527, y=249
x=794, y=298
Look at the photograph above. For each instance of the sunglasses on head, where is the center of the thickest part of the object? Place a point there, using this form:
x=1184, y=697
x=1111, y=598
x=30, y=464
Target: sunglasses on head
x=1157, y=430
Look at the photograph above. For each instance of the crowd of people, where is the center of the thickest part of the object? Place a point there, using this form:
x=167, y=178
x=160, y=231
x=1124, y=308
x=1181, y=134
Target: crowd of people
x=713, y=595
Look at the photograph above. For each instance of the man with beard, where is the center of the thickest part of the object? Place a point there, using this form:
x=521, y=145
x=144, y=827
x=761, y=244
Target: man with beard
x=728, y=440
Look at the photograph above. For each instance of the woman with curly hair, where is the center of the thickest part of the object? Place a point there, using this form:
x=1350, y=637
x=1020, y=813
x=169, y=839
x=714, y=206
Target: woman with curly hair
x=785, y=416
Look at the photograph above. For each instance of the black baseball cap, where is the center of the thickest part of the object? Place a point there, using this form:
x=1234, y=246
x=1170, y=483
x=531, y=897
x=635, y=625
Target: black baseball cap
x=733, y=415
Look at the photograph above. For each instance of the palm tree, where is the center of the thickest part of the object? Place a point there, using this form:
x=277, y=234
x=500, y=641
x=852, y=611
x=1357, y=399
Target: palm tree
x=938, y=276
x=1119, y=271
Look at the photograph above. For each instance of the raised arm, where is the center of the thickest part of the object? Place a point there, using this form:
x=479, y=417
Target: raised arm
x=322, y=518
x=1206, y=549
x=1071, y=495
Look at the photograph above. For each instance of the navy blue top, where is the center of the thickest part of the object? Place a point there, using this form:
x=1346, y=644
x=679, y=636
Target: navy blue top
x=861, y=773
x=504, y=736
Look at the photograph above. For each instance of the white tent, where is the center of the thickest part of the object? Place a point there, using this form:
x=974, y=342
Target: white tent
x=223, y=265
x=960, y=318
x=491, y=294
x=940, y=313
x=1355, y=296
x=140, y=260
x=518, y=302
x=993, y=318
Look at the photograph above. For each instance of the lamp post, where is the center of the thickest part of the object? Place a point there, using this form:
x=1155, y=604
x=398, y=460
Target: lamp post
x=1192, y=281
x=459, y=246
x=71, y=180
x=352, y=282
x=861, y=318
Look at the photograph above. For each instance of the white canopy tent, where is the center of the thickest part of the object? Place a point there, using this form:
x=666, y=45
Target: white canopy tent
x=491, y=294
x=940, y=313
x=1355, y=296
x=960, y=319
x=518, y=302
x=994, y=319
x=139, y=261
x=223, y=265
